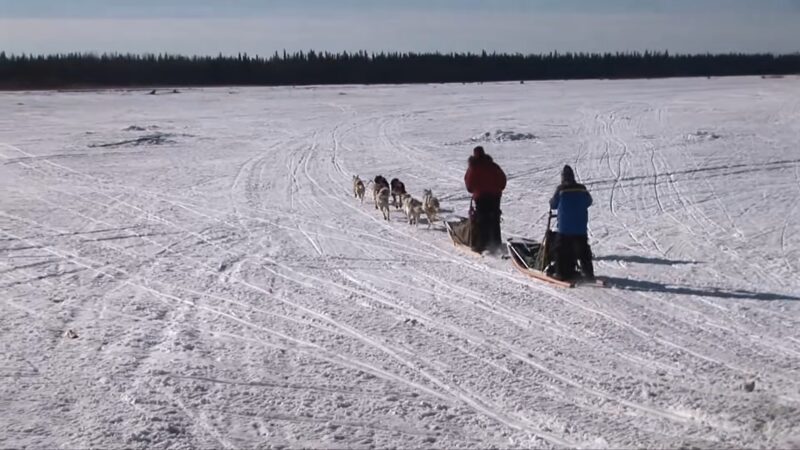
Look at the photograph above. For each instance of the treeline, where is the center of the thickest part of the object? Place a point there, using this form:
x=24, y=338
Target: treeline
x=303, y=68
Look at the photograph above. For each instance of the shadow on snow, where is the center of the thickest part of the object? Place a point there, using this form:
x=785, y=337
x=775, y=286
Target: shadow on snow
x=643, y=260
x=650, y=286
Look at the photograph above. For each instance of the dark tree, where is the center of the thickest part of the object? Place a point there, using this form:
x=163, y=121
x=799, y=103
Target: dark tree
x=77, y=70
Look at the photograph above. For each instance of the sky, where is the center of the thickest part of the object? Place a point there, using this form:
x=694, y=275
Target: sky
x=209, y=27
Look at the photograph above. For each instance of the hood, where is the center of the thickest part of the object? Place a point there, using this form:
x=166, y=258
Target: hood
x=567, y=175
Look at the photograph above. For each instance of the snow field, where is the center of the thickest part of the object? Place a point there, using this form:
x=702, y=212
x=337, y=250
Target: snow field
x=225, y=289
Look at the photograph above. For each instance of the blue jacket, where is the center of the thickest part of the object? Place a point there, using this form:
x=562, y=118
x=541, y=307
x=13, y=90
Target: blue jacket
x=572, y=202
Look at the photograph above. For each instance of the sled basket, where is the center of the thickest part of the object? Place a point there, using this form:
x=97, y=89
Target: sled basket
x=526, y=253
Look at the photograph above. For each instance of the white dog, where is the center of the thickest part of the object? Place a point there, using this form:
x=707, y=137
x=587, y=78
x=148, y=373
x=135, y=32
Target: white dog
x=430, y=205
x=358, y=188
x=413, y=209
x=382, y=201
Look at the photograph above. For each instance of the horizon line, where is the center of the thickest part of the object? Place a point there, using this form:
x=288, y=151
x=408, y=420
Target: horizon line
x=286, y=52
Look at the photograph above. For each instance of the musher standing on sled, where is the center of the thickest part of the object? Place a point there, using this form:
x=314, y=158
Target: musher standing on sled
x=572, y=201
x=485, y=180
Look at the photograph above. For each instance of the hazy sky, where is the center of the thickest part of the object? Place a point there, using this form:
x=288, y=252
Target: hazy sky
x=264, y=26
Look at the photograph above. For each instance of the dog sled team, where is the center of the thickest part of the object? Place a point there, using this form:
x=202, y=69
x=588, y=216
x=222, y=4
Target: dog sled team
x=387, y=194
x=563, y=256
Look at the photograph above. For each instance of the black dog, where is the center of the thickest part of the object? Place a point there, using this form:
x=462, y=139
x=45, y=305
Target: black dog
x=398, y=190
x=381, y=181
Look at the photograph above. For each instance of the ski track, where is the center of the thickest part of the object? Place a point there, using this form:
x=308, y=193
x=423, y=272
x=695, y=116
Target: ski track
x=228, y=291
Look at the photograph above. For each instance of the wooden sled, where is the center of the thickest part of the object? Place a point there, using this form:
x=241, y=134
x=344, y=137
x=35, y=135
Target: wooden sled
x=524, y=253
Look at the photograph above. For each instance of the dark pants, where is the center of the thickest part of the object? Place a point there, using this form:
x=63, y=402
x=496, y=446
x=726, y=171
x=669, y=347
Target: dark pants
x=487, y=221
x=568, y=251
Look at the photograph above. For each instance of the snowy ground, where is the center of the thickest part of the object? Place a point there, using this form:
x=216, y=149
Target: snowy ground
x=227, y=291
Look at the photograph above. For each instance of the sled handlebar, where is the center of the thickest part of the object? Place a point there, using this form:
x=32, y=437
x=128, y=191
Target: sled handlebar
x=550, y=217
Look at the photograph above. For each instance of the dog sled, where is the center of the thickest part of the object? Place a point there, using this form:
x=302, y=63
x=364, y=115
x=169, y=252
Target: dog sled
x=534, y=259
x=460, y=233
x=529, y=257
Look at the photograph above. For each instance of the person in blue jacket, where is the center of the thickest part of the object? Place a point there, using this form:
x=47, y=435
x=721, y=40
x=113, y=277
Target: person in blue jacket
x=572, y=201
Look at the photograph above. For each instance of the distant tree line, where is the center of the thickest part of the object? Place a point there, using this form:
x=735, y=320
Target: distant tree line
x=303, y=68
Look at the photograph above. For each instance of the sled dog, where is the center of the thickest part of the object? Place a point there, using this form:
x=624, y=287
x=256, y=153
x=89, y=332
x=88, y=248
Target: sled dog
x=398, y=190
x=413, y=209
x=379, y=183
x=358, y=188
x=430, y=205
x=382, y=201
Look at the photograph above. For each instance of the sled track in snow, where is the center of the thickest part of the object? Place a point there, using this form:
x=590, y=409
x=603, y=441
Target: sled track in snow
x=233, y=287
x=604, y=315
x=317, y=184
x=650, y=410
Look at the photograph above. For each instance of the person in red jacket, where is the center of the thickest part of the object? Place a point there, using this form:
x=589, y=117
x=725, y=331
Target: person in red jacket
x=485, y=180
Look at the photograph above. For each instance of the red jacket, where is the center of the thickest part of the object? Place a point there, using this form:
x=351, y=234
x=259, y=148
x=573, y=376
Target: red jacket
x=484, y=177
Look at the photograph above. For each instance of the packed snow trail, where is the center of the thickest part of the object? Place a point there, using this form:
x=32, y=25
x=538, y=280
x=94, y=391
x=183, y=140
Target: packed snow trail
x=227, y=290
